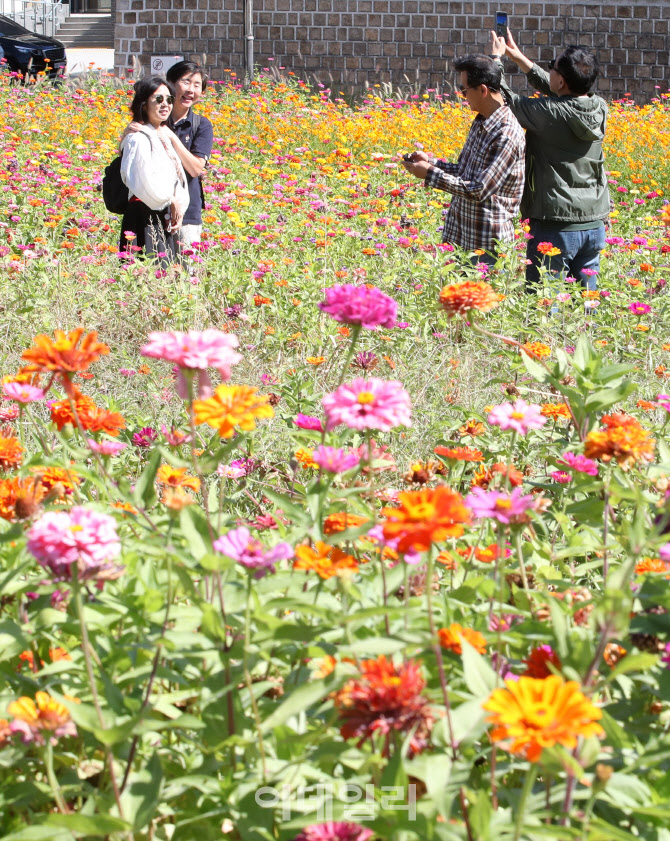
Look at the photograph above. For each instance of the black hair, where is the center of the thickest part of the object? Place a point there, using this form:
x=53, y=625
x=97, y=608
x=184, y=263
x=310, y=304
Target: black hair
x=144, y=88
x=186, y=68
x=579, y=67
x=480, y=70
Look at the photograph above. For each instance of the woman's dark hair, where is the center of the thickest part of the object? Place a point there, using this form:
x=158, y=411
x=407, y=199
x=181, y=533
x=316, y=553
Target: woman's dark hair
x=186, y=68
x=579, y=67
x=480, y=70
x=145, y=88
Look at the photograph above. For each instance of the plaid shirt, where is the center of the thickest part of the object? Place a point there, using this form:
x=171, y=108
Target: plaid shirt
x=487, y=182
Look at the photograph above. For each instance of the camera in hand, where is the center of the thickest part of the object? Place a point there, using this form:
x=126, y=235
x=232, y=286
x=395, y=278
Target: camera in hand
x=409, y=156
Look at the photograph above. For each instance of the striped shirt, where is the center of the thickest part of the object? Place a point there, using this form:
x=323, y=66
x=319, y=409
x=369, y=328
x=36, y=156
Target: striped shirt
x=487, y=182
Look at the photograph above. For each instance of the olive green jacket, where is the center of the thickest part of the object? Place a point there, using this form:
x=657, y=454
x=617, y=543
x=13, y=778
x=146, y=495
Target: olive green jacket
x=565, y=166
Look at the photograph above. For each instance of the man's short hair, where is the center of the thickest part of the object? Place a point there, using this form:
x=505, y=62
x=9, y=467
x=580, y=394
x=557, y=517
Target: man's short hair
x=186, y=68
x=579, y=67
x=480, y=69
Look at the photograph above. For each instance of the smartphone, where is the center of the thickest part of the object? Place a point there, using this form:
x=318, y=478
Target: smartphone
x=501, y=24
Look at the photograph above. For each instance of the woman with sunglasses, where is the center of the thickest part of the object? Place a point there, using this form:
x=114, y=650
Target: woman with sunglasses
x=158, y=192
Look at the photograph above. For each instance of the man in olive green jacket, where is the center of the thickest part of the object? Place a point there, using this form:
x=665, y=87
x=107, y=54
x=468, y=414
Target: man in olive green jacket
x=565, y=198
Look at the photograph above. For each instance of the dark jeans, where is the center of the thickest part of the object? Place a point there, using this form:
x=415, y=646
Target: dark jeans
x=579, y=250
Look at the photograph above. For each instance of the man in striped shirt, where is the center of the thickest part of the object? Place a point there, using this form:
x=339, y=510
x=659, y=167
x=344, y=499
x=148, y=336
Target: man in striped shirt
x=487, y=181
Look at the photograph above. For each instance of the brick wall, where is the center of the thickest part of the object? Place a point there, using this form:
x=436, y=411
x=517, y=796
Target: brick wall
x=351, y=42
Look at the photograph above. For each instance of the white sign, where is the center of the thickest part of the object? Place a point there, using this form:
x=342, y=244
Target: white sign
x=160, y=64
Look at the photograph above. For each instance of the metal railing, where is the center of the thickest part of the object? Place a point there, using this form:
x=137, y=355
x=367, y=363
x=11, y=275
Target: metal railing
x=41, y=16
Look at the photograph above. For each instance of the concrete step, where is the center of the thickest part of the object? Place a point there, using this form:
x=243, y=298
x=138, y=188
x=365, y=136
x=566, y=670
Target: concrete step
x=83, y=31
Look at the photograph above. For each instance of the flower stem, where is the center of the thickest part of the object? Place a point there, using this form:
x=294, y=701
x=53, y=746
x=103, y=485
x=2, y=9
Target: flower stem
x=247, y=677
x=86, y=645
x=51, y=777
x=355, y=333
x=438, y=651
x=531, y=774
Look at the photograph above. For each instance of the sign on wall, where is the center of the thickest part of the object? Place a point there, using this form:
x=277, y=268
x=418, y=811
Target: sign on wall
x=160, y=64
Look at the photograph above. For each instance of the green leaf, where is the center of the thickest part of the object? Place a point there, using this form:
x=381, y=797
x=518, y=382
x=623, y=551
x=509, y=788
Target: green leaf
x=12, y=640
x=641, y=662
x=538, y=372
x=40, y=833
x=145, y=487
x=140, y=798
x=302, y=699
x=96, y=825
x=196, y=531
x=480, y=678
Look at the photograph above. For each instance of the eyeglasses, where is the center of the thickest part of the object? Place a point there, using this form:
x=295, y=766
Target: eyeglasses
x=552, y=65
x=160, y=99
x=463, y=89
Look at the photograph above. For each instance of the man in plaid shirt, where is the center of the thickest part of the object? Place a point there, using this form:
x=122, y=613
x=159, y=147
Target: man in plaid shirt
x=487, y=182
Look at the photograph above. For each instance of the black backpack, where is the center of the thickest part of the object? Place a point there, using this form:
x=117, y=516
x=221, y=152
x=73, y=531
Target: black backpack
x=114, y=191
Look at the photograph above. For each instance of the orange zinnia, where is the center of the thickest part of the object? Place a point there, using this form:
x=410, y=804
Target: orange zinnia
x=532, y=714
x=651, y=565
x=64, y=354
x=58, y=480
x=462, y=298
x=231, y=406
x=538, y=350
x=555, y=411
x=623, y=439
x=304, y=456
x=11, y=451
x=19, y=498
x=341, y=521
x=451, y=638
x=325, y=560
x=91, y=416
x=459, y=453
x=425, y=517
x=472, y=427
x=176, y=477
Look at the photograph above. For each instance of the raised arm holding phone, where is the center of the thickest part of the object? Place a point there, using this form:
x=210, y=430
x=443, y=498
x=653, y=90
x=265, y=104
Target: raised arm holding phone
x=565, y=197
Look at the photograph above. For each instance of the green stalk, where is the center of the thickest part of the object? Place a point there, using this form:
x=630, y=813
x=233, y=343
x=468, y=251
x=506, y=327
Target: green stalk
x=48, y=757
x=531, y=774
x=355, y=333
x=247, y=677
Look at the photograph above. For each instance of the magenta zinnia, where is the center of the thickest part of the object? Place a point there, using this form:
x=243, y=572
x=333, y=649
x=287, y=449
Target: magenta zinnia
x=364, y=305
x=504, y=507
x=368, y=404
x=334, y=459
x=80, y=536
x=335, y=831
x=239, y=545
x=518, y=416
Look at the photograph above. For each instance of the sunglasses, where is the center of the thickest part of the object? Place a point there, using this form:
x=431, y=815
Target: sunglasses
x=552, y=65
x=160, y=99
x=463, y=89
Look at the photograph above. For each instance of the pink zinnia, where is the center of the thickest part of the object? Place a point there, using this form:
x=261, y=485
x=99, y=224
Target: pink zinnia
x=561, y=477
x=518, y=416
x=504, y=507
x=369, y=307
x=664, y=552
x=22, y=392
x=335, y=831
x=308, y=422
x=638, y=308
x=664, y=402
x=368, y=404
x=579, y=463
x=334, y=459
x=105, y=447
x=239, y=545
x=195, y=351
x=79, y=536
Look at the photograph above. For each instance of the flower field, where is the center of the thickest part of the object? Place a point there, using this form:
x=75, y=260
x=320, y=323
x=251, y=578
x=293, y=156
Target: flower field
x=329, y=535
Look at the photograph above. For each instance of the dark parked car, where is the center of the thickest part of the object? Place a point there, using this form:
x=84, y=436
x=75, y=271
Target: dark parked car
x=28, y=53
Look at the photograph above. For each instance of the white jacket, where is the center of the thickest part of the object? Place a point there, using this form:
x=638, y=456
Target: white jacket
x=150, y=173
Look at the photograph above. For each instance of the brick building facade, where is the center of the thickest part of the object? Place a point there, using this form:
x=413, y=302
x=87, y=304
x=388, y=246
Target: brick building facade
x=353, y=42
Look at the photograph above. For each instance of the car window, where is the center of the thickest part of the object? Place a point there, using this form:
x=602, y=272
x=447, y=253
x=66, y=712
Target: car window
x=10, y=27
